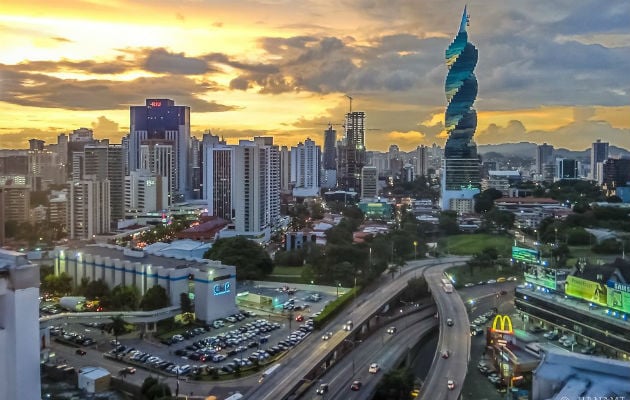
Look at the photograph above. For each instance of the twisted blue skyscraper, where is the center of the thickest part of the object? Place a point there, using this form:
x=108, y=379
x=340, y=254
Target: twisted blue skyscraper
x=460, y=172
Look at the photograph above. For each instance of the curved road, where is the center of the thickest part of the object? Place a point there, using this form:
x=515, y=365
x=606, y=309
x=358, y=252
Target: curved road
x=455, y=339
x=298, y=363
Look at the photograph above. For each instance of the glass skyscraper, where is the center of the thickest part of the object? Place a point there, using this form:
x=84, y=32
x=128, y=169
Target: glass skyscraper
x=461, y=166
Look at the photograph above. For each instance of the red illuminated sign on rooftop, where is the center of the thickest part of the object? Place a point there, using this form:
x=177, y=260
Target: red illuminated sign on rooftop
x=155, y=104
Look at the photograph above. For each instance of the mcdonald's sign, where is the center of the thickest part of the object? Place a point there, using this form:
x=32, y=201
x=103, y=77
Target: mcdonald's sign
x=502, y=324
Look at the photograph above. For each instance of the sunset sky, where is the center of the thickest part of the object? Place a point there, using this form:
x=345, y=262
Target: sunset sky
x=554, y=71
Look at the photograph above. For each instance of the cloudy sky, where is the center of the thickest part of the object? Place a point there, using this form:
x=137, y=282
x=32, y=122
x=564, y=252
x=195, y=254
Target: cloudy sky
x=553, y=71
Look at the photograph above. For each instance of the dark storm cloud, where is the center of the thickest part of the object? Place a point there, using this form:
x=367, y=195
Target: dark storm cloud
x=118, y=65
x=219, y=58
x=39, y=90
x=595, y=16
x=162, y=61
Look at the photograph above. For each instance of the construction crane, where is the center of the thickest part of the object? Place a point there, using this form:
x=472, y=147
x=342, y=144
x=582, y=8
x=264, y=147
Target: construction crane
x=350, y=98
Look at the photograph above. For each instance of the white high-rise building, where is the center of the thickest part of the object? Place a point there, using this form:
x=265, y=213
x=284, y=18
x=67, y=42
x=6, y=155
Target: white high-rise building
x=305, y=169
x=285, y=169
x=145, y=191
x=270, y=156
x=88, y=213
x=157, y=157
x=19, y=327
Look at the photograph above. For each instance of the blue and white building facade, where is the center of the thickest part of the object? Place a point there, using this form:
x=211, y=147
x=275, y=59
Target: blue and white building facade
x=212, y=283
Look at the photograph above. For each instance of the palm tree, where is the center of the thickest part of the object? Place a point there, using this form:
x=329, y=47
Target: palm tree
x=118, y=326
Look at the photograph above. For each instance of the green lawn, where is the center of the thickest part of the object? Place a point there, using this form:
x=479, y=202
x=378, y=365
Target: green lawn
x=474, y=243
x=287, y=271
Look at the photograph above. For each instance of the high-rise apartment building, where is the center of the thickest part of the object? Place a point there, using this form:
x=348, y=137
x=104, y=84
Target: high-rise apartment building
x=369, y=183
x=116, y=176
x=16, y=202
x=285, y=169
x=19, y=327
x=351, y=152
x=305, y=169
x=599, y=154
x=88, y=213
x=161, y=119
x=461, y=170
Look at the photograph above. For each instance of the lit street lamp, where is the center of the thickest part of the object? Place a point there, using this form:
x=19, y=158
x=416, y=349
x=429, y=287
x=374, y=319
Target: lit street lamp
x=415, y=246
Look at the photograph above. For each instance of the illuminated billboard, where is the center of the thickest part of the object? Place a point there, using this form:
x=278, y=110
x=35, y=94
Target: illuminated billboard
x=618, y=296
x=594, y=292
x=525, y=255
x=541, y=276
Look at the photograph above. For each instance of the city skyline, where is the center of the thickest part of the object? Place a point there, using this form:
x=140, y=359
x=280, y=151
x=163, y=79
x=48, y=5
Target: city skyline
x=551, y=72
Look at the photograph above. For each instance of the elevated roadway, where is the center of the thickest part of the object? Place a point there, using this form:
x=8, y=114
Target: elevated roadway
x=299, y=363
x=455, y=339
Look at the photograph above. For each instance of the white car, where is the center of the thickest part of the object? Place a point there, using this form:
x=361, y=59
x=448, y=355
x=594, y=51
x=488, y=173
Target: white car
x=391, y=330
x=450, y=384
x=327, y=335
x=374, y=368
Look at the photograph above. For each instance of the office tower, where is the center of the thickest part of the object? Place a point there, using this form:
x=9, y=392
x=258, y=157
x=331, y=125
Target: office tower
x=157, y=156
x=19, y=327
x=285, y=169
x=124, y=144
x=116, y=176
x=599, y=154
x=407, y=174
x=208, y=140
x=329, y=159
x=88, y=214
x=161, y=119
x=544, y=158
x=369, y=183
x=616, y=173
x=351, y=154
x=422, y=161
x=567, y=169
x=195, y=167
x=305, y=169
x=94, y=162
x=145, y=191
x=218, y=178
x=461, y=169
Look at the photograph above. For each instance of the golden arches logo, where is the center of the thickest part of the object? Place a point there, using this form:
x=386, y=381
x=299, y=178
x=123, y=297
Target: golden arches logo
x=502, y=324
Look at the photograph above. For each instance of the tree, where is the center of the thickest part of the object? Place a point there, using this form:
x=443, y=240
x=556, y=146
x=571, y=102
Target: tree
x=251, y=260
x=122, y=298
x=152, y=389
x=154, y=298
x=58, y=285
x=185, y=303
x=118, y=326
x=395, y=385
x=484, y=201
x=97, y=289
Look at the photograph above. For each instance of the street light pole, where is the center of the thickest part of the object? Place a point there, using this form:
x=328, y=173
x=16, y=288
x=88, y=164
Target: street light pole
x=415, y=245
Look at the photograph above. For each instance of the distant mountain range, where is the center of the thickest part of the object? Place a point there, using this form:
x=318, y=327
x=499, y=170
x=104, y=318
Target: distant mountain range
x=527, y=149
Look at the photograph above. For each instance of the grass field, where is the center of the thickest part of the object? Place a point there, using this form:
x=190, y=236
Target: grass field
x=287, y=271
x=475, y=243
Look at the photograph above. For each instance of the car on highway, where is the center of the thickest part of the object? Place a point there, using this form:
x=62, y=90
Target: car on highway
x=374, y=368
x=469, y=284
x=322, y=389
x=449, y=322
x=490, y=281
x=445, y=354
x=450, y=384
x=327, y=335
x=356, y=385
x=347, y=326
x=392, y=330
